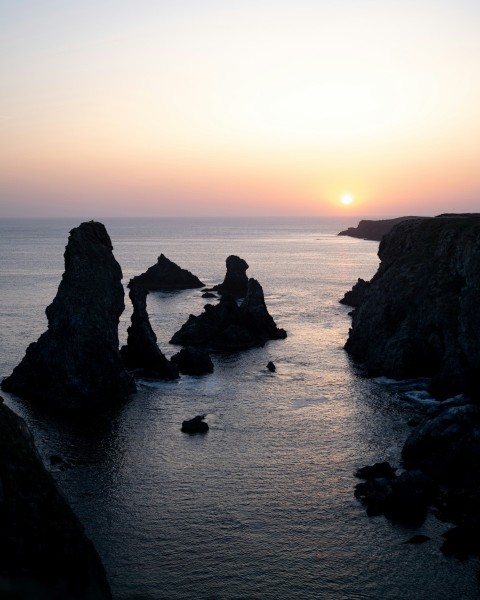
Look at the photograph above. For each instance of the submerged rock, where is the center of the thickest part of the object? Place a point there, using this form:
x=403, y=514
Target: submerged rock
x=76, y=364
x=44, y=552
x=236, y=280
x=417, y=539
x=166, y=275
x=420, y=316
x=195, y=425
x=193, y=361
x=228, y=326
x=141, y=353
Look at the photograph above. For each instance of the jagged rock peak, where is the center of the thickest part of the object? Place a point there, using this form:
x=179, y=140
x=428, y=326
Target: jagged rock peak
x=141, y=352
x=236, y=280
x=43, y=548
x=166, y=275
x=228, y=326
x=75, y=364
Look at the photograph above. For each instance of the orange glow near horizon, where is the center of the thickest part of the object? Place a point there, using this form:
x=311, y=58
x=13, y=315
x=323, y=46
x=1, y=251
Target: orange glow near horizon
x=240, y=110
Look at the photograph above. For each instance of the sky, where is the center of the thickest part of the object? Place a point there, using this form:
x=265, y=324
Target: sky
x=246, y=108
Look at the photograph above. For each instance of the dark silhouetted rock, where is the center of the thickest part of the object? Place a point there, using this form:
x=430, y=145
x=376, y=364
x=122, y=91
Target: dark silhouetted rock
x=166, y=275
x=271, y=367
x=355, y=296
x=420, y=316
x=374, y=229
x=141, y=353
x=195, y=425
x=44, y=552
x=236, y=280
x=193, y=361
x=209, y=295
x=382, y=470
x=228, y=326
x=76, y=364
x=462, y=541
x=418, y=539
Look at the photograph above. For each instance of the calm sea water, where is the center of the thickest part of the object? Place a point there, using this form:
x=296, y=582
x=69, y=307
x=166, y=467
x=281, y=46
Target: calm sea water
x=262, y=506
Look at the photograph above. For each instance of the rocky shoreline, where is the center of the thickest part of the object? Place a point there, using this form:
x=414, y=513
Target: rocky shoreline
x=419, y=316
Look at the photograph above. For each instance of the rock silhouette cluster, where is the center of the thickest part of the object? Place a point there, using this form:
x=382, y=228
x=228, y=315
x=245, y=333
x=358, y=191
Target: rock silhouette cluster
x=419, y=315
x=141, y=352
x=44, y=552
x=236, y=281
x=76, y=364
x=166, y=275
x=374, y=229
x=228, y=326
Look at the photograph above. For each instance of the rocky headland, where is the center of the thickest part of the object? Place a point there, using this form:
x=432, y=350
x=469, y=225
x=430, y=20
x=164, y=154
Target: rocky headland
x=76, y=364
x=141, y=352
x=419, y=316
x=228, y=326
x=236, y=280
x=44, y=552
x=373, y=229
x=166, y=275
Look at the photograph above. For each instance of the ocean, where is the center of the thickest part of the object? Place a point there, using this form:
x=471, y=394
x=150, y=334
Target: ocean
x=262, y=506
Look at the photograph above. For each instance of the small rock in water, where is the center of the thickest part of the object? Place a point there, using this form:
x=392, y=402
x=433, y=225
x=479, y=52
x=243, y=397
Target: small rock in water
x=195, y=425
x=209, y=295
x=271, y=367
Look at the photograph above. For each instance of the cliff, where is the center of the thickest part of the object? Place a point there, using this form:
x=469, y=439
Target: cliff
x=373, y=229
x=76, y=363
x=419, y=315
x=44, y=553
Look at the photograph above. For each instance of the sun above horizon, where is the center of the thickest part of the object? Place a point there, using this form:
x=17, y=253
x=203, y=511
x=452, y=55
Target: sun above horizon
x=346, y=199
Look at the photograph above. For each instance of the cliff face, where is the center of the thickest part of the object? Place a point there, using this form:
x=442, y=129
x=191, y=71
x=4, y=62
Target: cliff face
x=76, y=363
x=44, y=552
x=373, y=229
x=420, y=314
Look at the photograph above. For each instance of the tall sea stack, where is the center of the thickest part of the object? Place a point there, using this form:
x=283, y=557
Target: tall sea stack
x=76, y=364
x=236, y=280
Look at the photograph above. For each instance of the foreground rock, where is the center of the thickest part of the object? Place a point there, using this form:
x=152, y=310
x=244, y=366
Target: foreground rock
x=236, y=280
x=420, y=315
x=193, y=361
x=166, y=275
x=374, y=229
x=76, y=364
x=44, y=553
x=141, y=353
x=355, y=296
x=195, y=425
x=228, y=326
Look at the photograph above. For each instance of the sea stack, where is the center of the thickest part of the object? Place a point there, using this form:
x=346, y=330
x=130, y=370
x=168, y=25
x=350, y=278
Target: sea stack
x=141, y=353
x=227, y=326
x=44, y=552
x=76, y=364
x=419, y=315
x=236, y=280
x=166, y=275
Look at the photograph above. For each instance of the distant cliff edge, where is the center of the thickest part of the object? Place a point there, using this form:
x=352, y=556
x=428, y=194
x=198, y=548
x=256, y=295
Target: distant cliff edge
x=373, y=230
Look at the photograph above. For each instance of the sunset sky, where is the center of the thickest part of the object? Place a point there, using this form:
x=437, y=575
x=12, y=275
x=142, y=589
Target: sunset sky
x=189, y=108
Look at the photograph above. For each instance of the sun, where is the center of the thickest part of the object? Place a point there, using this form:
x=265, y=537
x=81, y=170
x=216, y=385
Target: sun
x=346, y=199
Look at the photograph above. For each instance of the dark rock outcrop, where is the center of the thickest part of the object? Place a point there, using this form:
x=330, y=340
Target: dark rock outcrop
x=195, y=425
x=193, y=361
x=166, y=275
x=236, y=280
x=76, y=363
x=271, y=367
x=228, y=326
x=355, y=296
x=374, y=229
x=44, y=552
x=420, y=315
x=141, y=353
x=382, y=470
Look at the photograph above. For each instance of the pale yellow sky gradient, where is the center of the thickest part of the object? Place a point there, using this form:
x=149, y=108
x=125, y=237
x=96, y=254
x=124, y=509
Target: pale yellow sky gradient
x=227, y=108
